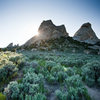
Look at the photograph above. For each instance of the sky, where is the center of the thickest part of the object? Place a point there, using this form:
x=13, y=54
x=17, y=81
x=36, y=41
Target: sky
x=20, y=19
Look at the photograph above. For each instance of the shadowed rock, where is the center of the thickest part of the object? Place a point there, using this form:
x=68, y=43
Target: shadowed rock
x=10, y=45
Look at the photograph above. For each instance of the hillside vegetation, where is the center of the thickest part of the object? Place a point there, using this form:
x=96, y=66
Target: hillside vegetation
x=48, y=75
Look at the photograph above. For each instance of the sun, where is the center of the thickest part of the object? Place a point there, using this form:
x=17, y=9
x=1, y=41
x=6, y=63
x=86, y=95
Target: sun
x=33, y=31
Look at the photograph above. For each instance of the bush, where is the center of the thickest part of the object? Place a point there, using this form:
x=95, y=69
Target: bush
x=61, y=76
x=70, y=71
x=34, y=57
x=33, y=83
x=16, y=60
x=55, y=74
x=33, y=89
x=99, y=81
x=72, y=63
x=12, y=91
x=30, y=85
x=42, y=62
x=76, y=89
x=91, y=73
x=49, y=65
x=56, y=69
x=73, y=71
x=39, y=96
x=27, y=97
x=33, y=78
x=51, y=79
x=74, y=81
x=7, y=72
x=21, y=65
x=61, y=95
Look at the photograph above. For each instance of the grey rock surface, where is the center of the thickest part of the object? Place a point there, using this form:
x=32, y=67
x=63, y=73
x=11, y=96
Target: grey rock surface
x=86, y=34
x=48, y=30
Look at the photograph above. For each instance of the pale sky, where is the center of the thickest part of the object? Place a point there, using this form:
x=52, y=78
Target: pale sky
x=20, y=19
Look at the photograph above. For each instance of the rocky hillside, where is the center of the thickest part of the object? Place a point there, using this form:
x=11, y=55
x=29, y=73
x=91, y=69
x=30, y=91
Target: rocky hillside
x=48, y=30
x=55, y=37
x=86, y=34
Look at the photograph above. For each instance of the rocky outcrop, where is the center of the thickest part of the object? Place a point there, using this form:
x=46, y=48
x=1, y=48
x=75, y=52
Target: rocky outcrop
x=10, y=45
x=48, y=30
x=86, y=34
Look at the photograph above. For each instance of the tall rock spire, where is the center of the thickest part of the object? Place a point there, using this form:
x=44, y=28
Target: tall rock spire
x=48, y=30
x=86, y=34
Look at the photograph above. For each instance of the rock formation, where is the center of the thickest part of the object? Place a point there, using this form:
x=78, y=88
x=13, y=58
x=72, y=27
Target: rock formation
x=10, y=45
x=48, y=30
x=86, y=34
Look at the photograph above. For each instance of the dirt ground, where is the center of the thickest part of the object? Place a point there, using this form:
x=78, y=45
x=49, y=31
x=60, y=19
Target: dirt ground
x=94, y=93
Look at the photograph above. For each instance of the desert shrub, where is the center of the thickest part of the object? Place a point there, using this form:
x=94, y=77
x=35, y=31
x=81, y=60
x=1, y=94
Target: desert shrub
x=72, y=62
x=33, y=78
x=33, y=83
x=42, y=62
x=22, y=64
x=30, y=85
x=27, y=97
x=0, y=50
x=39, y=96
x=74, y=81
x=34, y=57
x=51, y=79
x=57, y=68
x=91, y=73
x=49, y=65
x=61, y=95
x=56, y=74
x=34, y=64
x=3, y=74
x=28, y=69
x=3, y=62
x=13, y=49
x=73, y=71
x=70, y=71
x=7, y=71
x=40, y=69
x=49, y=58
x=2, y=97
x=16, y=60
x=31, y=89
x=76, y=89
x=12, y=91
x=61, y=76
x=98, y=81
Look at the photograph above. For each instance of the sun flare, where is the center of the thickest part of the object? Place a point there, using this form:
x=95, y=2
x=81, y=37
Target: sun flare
x=36, y=33
x=33, y=31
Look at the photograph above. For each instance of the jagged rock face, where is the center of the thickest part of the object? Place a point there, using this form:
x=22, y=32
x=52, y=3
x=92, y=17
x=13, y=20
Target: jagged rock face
x=48, y=30
x=86, y=34
x=10, y=45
